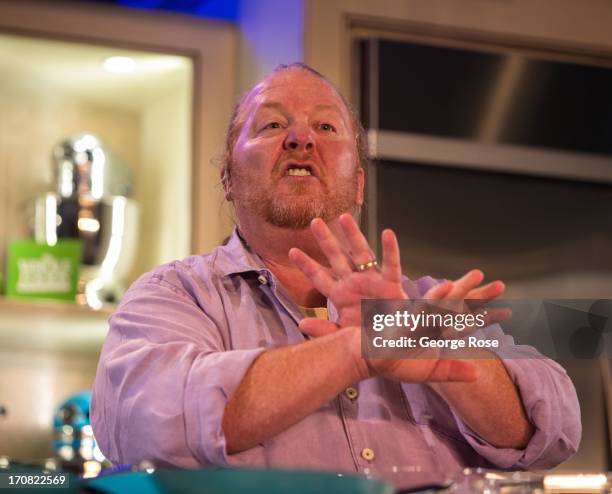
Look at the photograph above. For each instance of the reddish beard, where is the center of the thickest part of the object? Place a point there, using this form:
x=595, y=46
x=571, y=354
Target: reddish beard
x=296, y=209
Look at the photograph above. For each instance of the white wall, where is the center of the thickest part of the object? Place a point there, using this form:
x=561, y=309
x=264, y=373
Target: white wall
x=165, y=178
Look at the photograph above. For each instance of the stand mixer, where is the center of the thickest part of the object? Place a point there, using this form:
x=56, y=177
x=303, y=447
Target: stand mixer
x=91, y=202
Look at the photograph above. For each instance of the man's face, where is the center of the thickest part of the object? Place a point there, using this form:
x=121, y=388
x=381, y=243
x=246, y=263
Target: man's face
x=295, y=158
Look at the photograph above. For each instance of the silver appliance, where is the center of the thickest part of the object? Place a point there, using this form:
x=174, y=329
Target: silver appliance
x=92, y=202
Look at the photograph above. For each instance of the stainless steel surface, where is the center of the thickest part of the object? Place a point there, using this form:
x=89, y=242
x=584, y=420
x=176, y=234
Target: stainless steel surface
x=83, y=167
x=480, y=480
x=92, y=203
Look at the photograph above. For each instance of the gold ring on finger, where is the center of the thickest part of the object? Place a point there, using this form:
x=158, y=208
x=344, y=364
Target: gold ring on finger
x=367, y=265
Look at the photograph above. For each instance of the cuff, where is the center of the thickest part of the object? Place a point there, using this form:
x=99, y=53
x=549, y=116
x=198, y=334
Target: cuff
x=212, y=381
x=551, y=406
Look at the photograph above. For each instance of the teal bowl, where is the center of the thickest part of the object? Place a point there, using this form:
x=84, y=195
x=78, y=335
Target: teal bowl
x=238, y=481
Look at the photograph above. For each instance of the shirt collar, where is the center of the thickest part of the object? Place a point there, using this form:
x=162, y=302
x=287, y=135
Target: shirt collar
x=236, y=257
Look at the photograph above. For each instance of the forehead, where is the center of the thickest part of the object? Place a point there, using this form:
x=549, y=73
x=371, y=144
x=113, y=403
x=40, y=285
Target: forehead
x=294, y=89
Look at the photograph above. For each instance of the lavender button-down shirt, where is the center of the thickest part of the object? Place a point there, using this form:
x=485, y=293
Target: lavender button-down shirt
x=186, y=333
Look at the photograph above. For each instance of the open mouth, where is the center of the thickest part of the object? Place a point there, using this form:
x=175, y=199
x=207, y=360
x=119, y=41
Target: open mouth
x=298, y=170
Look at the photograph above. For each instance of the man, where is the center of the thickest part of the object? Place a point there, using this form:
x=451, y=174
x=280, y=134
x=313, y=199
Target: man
x=210, y=361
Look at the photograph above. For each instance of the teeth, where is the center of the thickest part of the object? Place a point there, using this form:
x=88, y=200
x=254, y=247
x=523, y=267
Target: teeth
x=298, y=172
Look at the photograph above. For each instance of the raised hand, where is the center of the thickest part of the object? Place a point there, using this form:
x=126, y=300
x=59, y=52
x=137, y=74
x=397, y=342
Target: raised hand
x=341, y=283
x=352, y=276
x=345, y=286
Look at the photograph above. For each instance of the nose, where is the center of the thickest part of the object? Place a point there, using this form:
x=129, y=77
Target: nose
x=299, y=138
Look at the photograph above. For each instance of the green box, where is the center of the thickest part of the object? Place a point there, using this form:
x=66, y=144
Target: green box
x=43, y=271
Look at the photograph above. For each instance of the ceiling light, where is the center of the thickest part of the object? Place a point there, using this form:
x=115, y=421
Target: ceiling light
x=119, y=65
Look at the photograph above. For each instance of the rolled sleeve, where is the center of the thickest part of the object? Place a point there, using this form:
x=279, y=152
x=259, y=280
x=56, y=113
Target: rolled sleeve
x=551, y=406
x=163, y=380
x=212, y=380
x=548, y=396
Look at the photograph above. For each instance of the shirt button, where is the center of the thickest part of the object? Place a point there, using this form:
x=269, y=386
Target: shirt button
x=367, y=454
x=351, y=393
x=262, y=279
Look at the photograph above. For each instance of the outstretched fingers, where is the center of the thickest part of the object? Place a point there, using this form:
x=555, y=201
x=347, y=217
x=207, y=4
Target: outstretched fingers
x=320, y=277
x=358, y=245
x=439, y=291
x=314, y=327
x=487, y=292
x=330, y=247
x=391, y=265
x=465, y=284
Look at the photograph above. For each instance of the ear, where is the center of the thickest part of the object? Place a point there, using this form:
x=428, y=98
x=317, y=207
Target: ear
x=226, y=183
x=360, y=185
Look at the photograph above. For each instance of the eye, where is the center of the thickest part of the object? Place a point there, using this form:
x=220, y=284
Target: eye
x=327, y=127
x=272, y=125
